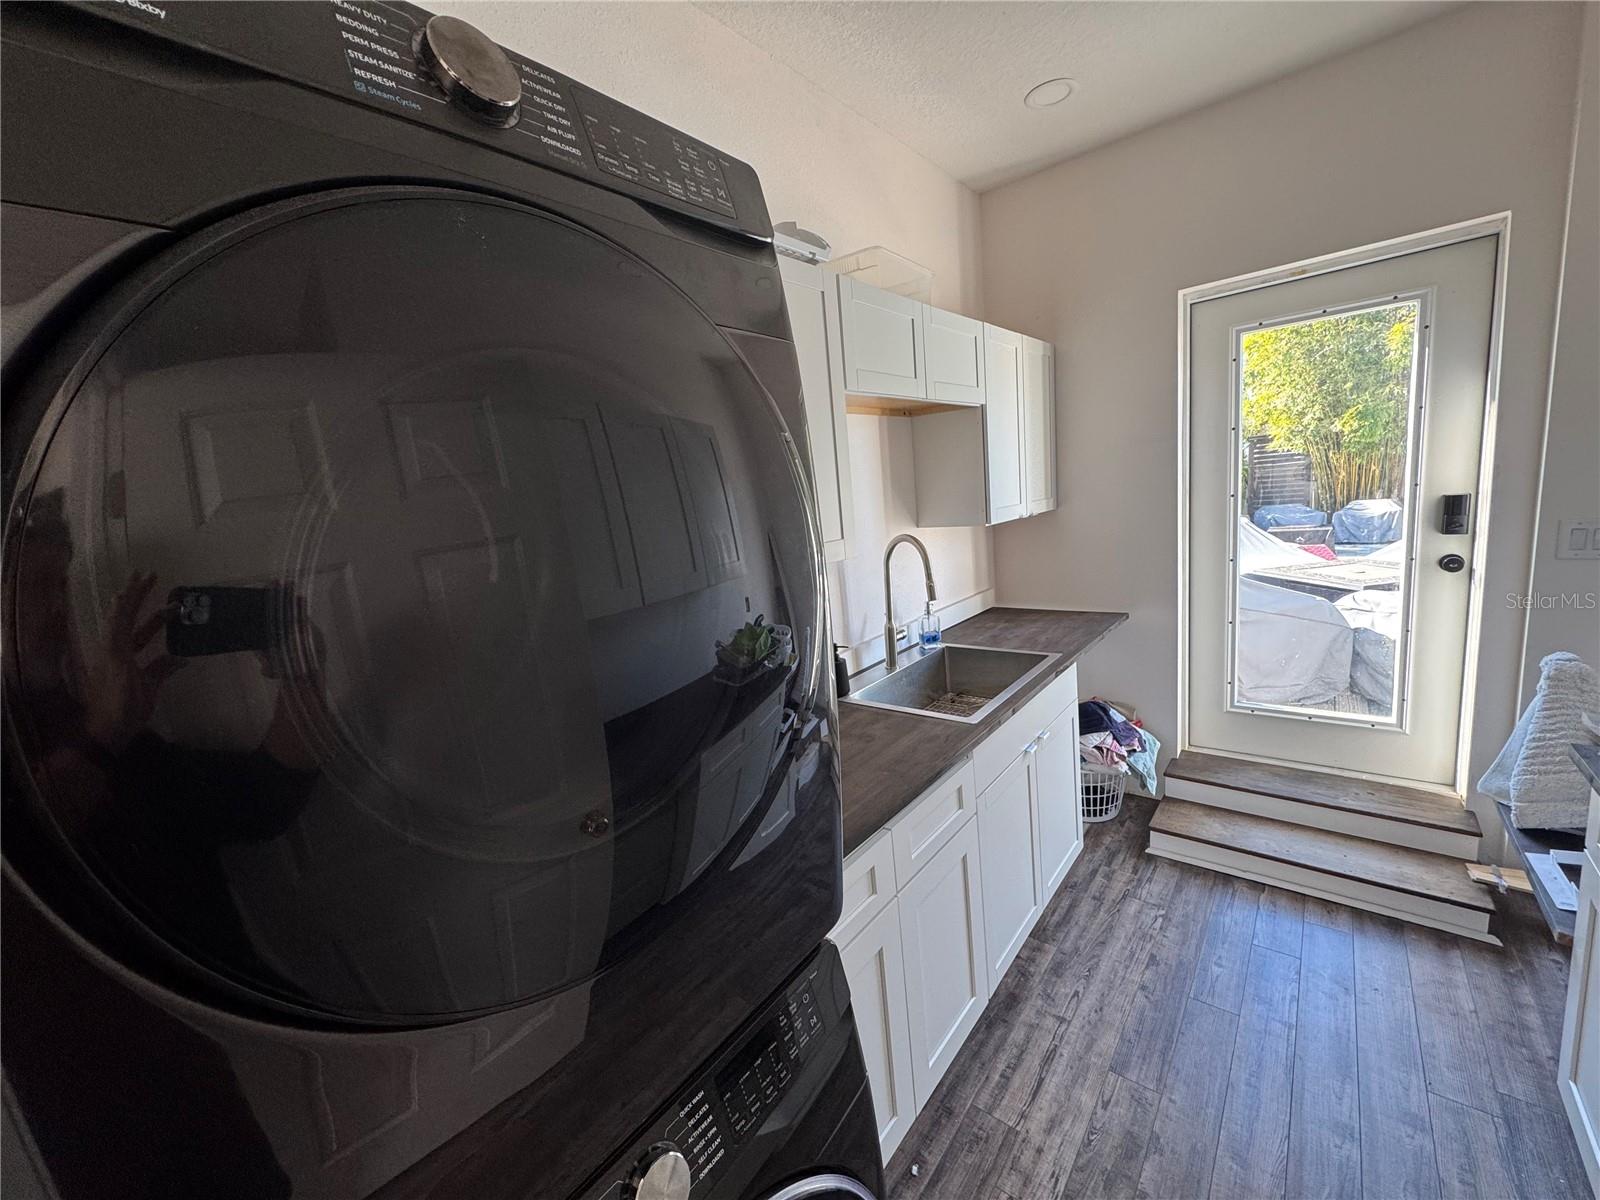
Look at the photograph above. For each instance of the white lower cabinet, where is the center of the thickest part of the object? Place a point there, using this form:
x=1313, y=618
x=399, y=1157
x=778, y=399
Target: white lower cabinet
x=1058, y=813
x=1580, y=1031
x=1011, y=893
x=947, y=976
x=873, y=965
x=938, y=903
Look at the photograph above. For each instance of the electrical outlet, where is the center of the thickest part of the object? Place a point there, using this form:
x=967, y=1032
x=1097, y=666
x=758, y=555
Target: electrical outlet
x=1578, y=539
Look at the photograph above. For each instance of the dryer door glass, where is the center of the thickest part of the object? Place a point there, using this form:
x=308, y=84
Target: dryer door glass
x=369, y=598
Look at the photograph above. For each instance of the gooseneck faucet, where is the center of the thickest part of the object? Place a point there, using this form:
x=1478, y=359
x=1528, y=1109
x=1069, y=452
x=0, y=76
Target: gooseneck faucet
x=890, y=649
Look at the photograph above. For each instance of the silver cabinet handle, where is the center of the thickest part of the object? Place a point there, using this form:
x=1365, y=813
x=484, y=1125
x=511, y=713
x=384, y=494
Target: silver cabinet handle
x=1043, y=737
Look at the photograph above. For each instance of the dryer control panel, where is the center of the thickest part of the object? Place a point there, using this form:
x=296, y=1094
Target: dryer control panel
x=752, y=1090
x=442, y=72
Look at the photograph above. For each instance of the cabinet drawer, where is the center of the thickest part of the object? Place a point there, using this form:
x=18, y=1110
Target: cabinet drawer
x=1000, y=749
x=869, y=887
x=931, y=820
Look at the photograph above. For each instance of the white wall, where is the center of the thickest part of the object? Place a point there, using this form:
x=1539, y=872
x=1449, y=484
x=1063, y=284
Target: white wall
x=821, y=165
x=1465, y=115
x=1571, y=484
x=884, y=482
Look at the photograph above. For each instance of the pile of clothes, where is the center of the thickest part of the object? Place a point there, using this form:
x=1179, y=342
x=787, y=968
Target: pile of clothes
x=1110, y=741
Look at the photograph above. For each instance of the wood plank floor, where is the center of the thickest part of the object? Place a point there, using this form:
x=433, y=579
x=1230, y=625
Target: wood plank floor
x=1168, y=1033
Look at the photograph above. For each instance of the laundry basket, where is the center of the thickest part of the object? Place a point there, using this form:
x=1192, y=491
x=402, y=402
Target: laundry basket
x=1102, y=792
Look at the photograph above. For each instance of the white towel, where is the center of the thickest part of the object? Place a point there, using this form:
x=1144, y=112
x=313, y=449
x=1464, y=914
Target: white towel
x=1534, y=774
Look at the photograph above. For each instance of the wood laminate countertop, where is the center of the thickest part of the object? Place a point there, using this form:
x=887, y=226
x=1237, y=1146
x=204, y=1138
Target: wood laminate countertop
x=888, y=759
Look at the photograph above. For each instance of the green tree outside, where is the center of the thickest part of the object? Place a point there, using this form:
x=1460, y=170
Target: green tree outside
x=1336, y=389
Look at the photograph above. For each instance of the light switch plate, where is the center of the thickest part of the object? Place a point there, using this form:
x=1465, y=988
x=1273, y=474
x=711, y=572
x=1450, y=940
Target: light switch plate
x=1578, y=539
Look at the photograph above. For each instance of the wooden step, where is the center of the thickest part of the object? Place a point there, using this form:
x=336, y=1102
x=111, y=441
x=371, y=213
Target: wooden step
x=1414, y=885
x=1385, y=812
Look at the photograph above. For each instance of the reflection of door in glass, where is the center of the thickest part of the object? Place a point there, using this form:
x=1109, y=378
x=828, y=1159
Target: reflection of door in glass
x=1324, y=410
x=1327, y=608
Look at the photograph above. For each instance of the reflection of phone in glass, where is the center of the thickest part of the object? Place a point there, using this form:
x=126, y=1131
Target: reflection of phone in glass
x=219, y=620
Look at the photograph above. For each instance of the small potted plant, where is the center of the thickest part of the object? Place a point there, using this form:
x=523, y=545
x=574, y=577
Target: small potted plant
x=750, y=651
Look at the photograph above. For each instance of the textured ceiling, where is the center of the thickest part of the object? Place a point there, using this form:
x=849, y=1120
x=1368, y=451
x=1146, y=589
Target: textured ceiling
x=948, y=78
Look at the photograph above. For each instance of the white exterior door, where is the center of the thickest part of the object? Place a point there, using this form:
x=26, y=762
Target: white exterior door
x=954, y=353
x=1328, y=601
x=1011, y=893
x=1002, y=423
x=882, y=341
x=813, y=303
x=947, y=978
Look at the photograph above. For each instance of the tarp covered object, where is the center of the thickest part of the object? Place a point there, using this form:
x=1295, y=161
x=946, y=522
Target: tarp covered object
x=1367, y=522
x=1260, y=551
x=1375, y=617
x=1271, y=516
x=1292, y=648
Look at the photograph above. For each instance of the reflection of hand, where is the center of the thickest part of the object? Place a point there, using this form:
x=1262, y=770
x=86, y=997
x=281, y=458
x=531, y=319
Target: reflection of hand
x=120, y=693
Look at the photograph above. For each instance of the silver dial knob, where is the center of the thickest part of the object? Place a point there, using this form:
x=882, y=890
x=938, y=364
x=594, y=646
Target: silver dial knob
x=471, y=69
x=662, y=1174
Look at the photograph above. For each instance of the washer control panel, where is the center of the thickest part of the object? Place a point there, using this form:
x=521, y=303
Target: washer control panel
x=728, y=1107
x=445, y=73
x=752, y=1084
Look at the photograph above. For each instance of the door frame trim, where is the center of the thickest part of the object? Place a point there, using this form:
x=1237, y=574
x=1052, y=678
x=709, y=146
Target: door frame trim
x=1497, y=225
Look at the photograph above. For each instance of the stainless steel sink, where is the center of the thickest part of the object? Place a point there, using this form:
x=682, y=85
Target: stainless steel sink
x=953, y=683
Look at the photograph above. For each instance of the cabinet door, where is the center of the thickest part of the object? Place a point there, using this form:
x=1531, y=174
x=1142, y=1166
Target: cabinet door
x=953, y=355
x=1039, y=424
x=874, y=967
x=1011, y=892
x=592, y=508
x=712, y=496
x=882, y=341
x=947, y=979
x=813, y=304
x=1059, y=815
x=1002, y=423
x=657, y=497
x=1580, y=1030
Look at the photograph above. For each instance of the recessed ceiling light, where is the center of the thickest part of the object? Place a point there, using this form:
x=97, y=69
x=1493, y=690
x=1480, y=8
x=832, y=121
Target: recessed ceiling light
x=1049, y=93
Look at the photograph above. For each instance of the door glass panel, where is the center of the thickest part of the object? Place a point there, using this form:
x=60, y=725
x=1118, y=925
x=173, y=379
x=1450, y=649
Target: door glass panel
x=369, y=603
x=1325, y=410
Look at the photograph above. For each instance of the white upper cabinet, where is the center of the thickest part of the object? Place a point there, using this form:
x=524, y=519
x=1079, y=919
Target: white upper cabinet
x=1039, y=424
x=883, y=332
x=953, y=352
x=813, y=303
x=1002, y=423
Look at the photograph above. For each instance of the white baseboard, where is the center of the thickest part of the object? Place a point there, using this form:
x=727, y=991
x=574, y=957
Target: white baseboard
x=1317, y=816
x=1451, y=918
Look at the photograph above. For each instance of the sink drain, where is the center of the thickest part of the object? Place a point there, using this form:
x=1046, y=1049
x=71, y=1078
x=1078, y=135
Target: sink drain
x=956, y=704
